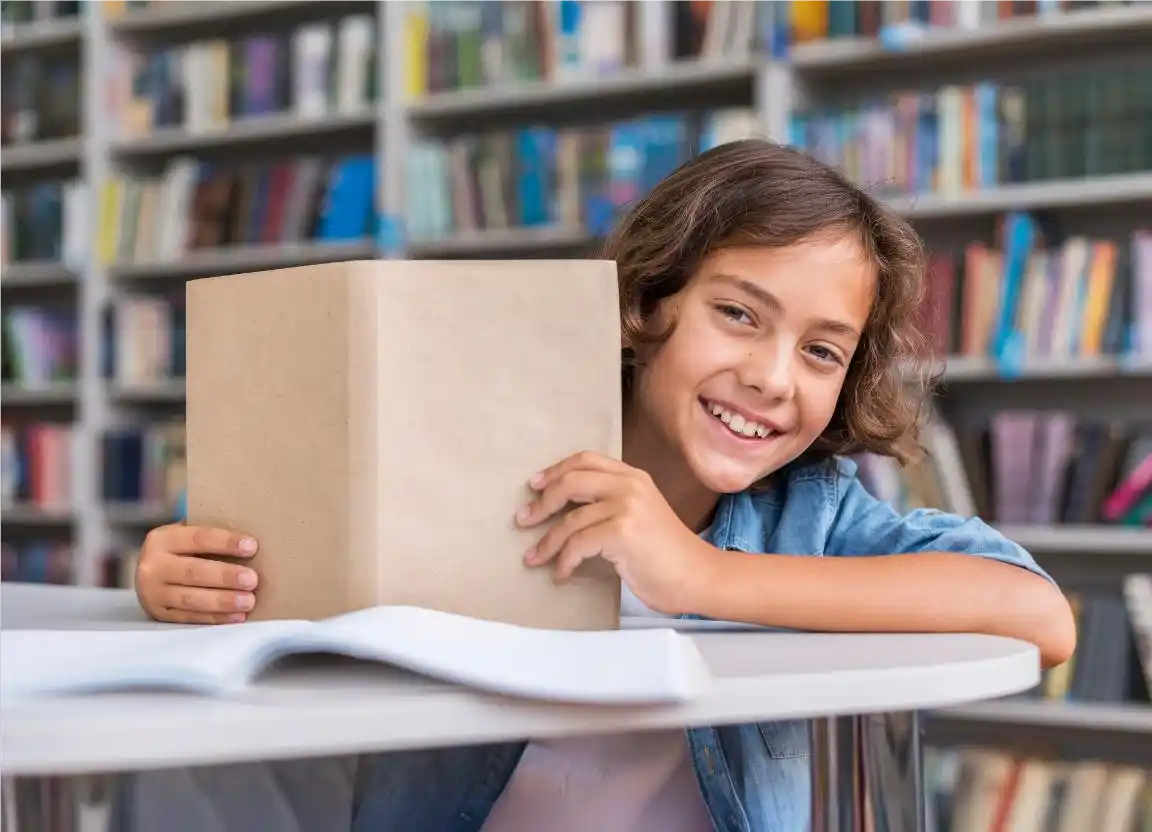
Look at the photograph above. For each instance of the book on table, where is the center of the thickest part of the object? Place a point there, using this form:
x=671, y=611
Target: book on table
x=648, y=662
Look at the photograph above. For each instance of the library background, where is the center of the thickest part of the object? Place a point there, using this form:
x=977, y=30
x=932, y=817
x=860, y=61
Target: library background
x=150, y=143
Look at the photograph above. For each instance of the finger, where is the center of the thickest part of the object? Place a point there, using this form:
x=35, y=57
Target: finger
x=188, y=617
x=574, y=487
x=189, y=570
x=197, y=599
x=557, y=537
x=582, y=461
x=205, y=540
x=590, y=542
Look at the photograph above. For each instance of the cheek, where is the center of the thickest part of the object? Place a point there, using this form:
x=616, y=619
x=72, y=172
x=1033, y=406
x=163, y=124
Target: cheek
x=820, y=399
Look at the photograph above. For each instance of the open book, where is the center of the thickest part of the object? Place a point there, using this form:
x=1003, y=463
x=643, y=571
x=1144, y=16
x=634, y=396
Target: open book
x=627, y=666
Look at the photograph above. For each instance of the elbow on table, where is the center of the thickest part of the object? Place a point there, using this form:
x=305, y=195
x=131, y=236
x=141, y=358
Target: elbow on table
x=1053, y=623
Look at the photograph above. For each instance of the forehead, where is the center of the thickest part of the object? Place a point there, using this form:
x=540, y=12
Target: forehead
x=835, y=274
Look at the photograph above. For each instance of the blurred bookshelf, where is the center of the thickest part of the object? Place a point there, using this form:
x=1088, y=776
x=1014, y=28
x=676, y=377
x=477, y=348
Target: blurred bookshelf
x=147, y=144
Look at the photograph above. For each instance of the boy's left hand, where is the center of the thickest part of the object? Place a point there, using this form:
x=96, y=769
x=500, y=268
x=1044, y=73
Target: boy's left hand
x=621, y=516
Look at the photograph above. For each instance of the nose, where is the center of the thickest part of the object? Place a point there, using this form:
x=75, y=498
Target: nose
x=770, y=369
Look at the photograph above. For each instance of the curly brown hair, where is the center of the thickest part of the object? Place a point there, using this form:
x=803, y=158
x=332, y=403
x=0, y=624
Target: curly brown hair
x=756, y=192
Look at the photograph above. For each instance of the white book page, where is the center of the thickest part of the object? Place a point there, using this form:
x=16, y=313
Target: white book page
x=213, y=659
x=655, y=665
x=647, y=665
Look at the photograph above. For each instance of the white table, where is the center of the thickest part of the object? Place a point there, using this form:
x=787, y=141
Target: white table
x=862, y=693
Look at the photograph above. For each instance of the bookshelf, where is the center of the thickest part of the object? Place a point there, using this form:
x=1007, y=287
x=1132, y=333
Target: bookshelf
x=376, y=115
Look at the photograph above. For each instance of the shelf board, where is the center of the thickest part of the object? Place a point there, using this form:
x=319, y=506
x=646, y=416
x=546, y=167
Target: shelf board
x=37, y=273
x=33, y=515
x=33, y=396
x=1117, y=189
x=240, y=259
x=1127, y=717
x=504, y=242
x=248, y=132
x=1030, y=36
x=190, y=21
x=41, y=156
x=960, y=369
x=22, y=38
x=634, y=88
x=139, y=514
x=1087, y=540
x=157, y=392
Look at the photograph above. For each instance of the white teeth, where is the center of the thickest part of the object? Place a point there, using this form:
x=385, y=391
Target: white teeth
x=737, y=423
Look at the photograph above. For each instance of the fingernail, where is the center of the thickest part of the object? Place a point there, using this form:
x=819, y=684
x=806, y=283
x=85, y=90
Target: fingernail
x=522, y=514
x=244, y=602
x=248, y=546
x=537, y=479
x=247, y=580
x=238, y=618
x=530, y=554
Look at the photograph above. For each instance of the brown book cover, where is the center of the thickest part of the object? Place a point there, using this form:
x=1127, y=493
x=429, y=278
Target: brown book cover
x=375, y=423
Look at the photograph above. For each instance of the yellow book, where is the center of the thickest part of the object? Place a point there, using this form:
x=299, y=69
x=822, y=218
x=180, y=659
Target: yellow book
x=1101, y=274
x=416, y=51
x=108, y=243
x=809, y=20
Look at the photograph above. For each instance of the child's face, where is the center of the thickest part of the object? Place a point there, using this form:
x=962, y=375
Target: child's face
x=752, y=372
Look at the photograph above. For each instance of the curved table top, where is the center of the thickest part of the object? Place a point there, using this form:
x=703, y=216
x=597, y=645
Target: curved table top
x=346, y=707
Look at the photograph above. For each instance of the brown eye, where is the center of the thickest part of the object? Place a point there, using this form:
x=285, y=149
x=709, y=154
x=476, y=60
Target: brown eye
x=824, y=354
x=734, y=313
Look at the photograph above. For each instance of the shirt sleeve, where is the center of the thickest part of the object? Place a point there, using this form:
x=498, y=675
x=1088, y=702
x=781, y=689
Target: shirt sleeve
x=864, y=525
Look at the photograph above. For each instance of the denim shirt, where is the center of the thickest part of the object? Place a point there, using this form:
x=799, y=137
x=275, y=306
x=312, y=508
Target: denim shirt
x=754, y=777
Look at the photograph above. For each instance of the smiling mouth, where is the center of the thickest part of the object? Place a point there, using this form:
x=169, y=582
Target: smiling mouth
x=736, y=423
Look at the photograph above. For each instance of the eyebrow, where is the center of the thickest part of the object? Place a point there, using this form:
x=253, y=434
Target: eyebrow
x=773, y=303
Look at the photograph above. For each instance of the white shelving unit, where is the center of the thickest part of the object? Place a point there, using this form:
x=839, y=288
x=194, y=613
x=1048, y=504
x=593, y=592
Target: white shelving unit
x=773, y=88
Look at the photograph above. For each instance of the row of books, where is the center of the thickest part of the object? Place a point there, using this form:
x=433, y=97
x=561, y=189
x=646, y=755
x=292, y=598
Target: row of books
x=140, y=464
x=1013, y=468
x=195, y=205
x=1111, y=664
x=806, y=21
x=1026, y=299
x=988, y=789
x=144, y=464
x=40, y=99
x=534, y=175
x=45, y=222
x=143, y=339
x=462, y=44
x=40, y=345
x=37, y=463
x=465, y=44
x=581, y=176
x=43, y=561
x=1026, y=467
x=1061, y=125
x=1016, y=299
x=573, y=177
x=316, y=70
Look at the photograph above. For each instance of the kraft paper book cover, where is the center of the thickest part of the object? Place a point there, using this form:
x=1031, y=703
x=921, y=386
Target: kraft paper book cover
x=374, y=425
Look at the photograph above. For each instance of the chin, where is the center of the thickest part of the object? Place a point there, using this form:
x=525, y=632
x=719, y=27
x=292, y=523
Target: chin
x=727, y=479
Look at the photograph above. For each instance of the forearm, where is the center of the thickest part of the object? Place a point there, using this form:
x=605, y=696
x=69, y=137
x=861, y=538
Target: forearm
x=928, y=592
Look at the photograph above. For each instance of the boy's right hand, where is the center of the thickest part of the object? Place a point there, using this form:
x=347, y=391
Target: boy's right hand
x=176, y=583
